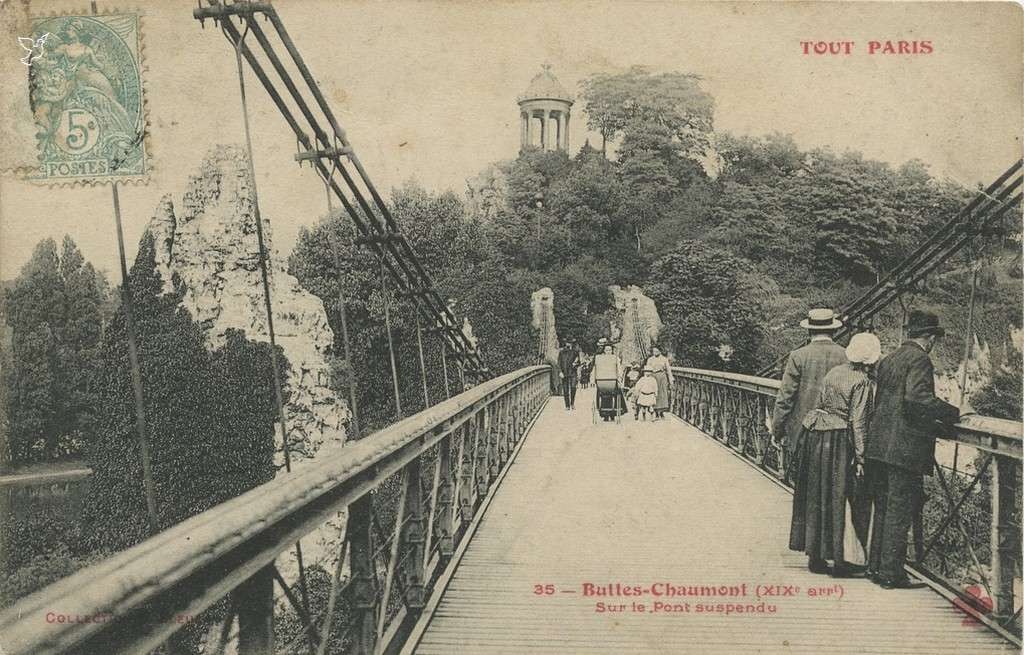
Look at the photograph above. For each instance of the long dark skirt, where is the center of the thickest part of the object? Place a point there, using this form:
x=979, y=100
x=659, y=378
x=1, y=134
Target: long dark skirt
x=824, y=482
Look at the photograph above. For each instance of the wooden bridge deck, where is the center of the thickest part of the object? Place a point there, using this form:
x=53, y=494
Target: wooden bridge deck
x=646, y=503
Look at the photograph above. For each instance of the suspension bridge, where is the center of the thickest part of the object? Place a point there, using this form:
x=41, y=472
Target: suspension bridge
x=495, y=521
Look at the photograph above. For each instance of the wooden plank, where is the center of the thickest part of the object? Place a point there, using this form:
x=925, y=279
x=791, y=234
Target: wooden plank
x=644, y=503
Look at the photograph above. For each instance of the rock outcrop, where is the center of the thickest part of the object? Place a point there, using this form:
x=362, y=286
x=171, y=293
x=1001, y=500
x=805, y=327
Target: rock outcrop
x=487, y=193
x=209, y=241
x=542, y=303
x=638, y=323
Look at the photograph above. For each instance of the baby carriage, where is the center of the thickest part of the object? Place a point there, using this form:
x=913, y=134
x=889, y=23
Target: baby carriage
x=610, y=401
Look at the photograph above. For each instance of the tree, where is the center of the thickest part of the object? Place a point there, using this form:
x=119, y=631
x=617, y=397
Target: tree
x=703, y=301
x=459, y=254
x=31, y=392
x=630, y=102
x=34, y=307
x=209, y=417
x=664, y=121
x=79, y=339
x=54, y=311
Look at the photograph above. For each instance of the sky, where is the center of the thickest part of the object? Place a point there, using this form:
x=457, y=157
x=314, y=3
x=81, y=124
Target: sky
x=427, y=91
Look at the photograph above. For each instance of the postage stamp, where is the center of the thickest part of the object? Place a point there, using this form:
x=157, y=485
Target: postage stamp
x=86, y=96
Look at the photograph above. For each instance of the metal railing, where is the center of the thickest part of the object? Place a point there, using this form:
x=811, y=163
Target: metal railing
x=409, y=491
x=969, y=542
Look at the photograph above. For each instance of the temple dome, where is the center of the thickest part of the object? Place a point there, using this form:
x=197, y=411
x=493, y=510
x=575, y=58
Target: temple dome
x=544, y=85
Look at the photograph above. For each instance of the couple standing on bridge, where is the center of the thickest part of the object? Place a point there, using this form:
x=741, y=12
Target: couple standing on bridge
x=859, y=436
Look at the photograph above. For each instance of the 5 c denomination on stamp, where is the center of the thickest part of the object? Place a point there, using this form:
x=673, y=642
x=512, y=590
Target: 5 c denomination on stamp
x=86, y=97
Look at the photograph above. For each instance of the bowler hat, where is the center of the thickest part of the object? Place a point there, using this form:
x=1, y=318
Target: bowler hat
x=920, y=323
x=821, y=319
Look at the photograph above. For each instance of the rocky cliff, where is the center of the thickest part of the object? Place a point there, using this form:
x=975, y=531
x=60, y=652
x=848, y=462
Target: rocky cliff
x=487, y=193
x=209, y=241
x=542, y=304
x=638, y=321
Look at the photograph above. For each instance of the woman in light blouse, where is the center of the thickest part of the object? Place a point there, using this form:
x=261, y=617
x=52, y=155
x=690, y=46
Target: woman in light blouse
x=829, y=465
x=659, y=364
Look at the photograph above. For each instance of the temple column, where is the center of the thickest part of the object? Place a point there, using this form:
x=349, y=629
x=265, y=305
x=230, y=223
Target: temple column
x=524, y=129
x=565, y=133
x=544, y=129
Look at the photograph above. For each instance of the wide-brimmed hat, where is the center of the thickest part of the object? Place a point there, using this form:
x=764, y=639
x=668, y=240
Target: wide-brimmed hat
x=921, y=323
x=864, y=348
x=821, y=319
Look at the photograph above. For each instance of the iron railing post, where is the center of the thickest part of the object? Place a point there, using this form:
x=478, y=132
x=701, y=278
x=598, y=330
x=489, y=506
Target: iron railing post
x=414, y=538
x=445, y=499
x=364, y=577
x=493, y=429
x=254, y=599
x=468, y=470
x=1005, y=545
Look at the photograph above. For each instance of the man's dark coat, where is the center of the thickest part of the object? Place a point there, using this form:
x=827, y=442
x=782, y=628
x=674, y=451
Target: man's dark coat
x=567, y=358
x=903, y=429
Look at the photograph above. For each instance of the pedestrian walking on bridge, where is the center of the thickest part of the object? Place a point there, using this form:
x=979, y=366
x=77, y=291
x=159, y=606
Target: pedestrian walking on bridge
x=662, y=370
x=568, y=361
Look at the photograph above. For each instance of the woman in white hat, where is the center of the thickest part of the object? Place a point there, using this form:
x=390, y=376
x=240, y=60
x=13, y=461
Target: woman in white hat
x=830, y=466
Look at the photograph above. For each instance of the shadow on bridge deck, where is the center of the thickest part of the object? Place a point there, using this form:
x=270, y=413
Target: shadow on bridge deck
x=645, y=503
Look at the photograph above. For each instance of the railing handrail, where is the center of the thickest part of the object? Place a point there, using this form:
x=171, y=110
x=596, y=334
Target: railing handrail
x=764, y=385
x=267, y=518
x=1002, y=437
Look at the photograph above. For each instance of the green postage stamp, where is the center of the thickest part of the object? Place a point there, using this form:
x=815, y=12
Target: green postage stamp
x=85, y=90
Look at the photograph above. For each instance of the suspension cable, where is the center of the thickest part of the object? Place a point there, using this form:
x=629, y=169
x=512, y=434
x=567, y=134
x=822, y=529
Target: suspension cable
x=423, y=365
x=347, y=344
x=264, y=277
x=136, y=372
x=968, y=344
x=391, y=343
x=444, y=367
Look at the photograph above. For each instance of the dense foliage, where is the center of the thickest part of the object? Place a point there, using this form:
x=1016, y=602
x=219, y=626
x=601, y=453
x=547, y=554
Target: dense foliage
x=460, y=258
x=1001, y=396
x=55, y=310
x=702, y=299
x=209, y=417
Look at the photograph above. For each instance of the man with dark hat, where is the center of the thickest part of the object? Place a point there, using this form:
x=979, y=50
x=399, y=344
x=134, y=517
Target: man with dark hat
x=901, y=446
x=568, y=358
x=801, y=382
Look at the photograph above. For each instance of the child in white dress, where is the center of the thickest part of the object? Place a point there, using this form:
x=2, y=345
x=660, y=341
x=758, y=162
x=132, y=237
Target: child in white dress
x=644, y=394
